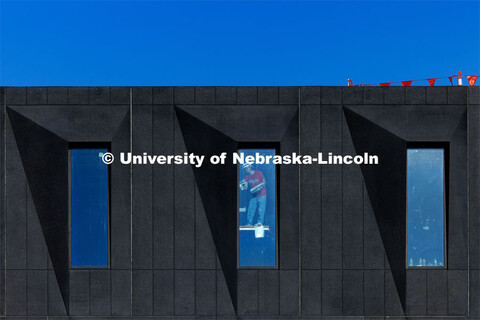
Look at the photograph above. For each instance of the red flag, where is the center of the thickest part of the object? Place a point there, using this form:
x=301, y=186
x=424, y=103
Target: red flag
x=406, y=83
x=386, y=84
x=450, y=78
x=471, y=80
x=432, y=81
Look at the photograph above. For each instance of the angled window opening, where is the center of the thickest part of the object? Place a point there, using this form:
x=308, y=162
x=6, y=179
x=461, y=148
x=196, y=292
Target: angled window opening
x=88, y=206
x=427, y=195
x=257, y=208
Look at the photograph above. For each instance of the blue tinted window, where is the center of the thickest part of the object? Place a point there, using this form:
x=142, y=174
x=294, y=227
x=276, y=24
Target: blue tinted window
x=425, y=207
x=257, y=212
x=89, y=208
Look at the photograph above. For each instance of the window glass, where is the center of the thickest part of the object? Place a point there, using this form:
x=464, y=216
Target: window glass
x=257, y=211
x=88, y=208
x=425, y=207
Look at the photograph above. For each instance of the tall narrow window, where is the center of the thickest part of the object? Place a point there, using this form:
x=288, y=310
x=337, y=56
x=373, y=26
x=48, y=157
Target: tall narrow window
x=257, y=210
x=426, y=207
x=88, y=208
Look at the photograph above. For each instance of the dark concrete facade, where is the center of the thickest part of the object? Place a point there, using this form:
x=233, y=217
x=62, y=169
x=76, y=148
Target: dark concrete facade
x=173, y=236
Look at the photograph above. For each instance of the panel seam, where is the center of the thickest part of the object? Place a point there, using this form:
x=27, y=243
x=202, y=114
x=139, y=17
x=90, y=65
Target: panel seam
x=152, y=255
x=173, y=212
x=131, y=204
x=194, y=242
x=299, y=207
x=468, y=201
x=4, y=245
x=341, y=168
x=26, y=245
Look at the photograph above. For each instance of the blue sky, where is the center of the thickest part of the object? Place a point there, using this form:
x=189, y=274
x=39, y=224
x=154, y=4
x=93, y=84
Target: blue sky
x=93, y=43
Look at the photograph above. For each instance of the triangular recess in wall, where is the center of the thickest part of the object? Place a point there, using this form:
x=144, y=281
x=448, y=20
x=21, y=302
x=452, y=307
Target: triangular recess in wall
x=217, y=187
x=45, y=160
x=386, y=186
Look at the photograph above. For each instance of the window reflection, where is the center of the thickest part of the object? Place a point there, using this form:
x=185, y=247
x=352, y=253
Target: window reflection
x=89, y=208
x=425, y=207
x=257, y=212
